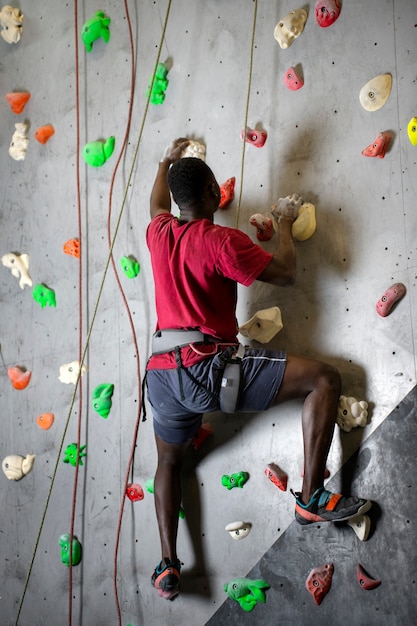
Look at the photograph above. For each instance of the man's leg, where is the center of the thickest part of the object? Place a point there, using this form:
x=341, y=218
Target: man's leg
x=319, y=384
x=167, y=492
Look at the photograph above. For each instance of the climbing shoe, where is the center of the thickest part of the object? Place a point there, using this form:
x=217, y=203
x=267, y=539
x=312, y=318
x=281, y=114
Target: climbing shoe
x=325, y=506
x=166, y=579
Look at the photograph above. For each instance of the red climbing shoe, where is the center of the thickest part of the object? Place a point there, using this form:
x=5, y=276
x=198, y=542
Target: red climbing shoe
x=166, y=579
x=325, y=506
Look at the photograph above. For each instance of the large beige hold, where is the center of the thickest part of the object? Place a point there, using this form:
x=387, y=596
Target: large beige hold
x=305, y=224
x=263, y=326
x=376, y=92
x=16, y=466
x=290, y=27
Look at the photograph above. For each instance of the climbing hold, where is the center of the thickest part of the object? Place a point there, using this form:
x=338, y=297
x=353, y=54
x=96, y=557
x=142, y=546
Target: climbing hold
x=19, y=264
x=351, y=413
x=203, y=432
x=16, y=466
x=96, y=153
x=378, y=147
x=263, y=326
x=290, y=27
x=19, y=376
x=292, y=79
x=253, y=136
x=159, y=85
x=235, y=480
x=72, y=247
x=227, y=192
x=238, y=530
x=19, y=143
x=319, y=581
x=412, y=130
x=96, y=27
x=386, y=303
x=102, y=399
x=327, y=12
x=73, y=455
x=44, y=133
x=17, y=100
x=263, y=225
x=44, y=295
x=194, y=149
x=304, y=226
x=130, y=266
x=135, y=492
x=45, y=420
x=69, y=372
x=247, y=592
x=76, y=552
x=376, y=92
x=364, y=580
x=277, y=476
x=361, y=525
x=11, y=21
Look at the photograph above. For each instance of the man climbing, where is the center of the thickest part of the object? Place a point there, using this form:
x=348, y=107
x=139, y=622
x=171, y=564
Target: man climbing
x=196, y=267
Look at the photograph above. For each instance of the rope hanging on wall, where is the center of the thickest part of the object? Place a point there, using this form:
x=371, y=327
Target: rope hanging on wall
x=242, y=164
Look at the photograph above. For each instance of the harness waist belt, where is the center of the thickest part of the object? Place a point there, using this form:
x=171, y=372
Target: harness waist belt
x=168, y=339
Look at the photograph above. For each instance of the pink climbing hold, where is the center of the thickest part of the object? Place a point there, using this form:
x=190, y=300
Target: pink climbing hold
x=255, y=137
x=292, y=79
x=391, y=296
x=277, y=476
x=364, y=580
x=378, y=147
x=319, y=581
x=227, y=192
x=264, y=226
x=327, y=12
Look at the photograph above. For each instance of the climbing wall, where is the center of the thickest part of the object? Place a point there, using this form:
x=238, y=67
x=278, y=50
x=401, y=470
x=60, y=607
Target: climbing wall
x=225, y=71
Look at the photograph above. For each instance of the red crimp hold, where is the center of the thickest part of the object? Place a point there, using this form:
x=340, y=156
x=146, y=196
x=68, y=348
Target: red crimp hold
x=365, y=581
x=319, y=581
x=135, y=492
x=227, y=192
x=203, y=432
x=256, y=137
x=277, y=476
x=264, y=226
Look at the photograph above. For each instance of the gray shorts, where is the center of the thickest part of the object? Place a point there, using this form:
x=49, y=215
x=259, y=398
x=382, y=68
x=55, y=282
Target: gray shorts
x=176, y=420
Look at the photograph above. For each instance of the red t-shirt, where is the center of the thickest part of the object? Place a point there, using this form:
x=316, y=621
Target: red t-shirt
x=196, y=267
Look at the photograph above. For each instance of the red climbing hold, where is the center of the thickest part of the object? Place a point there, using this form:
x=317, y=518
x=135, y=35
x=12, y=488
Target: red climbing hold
x=378, y=147
x=19, y=376
x=44, y=133
x=277, y=476
x=134, y=492
x=390, y=297
x=255, y=137
x=203, y=432
x=319, y=581
x=365, y=581
x=327, y=12
x=17, y=101
x=292, y=79
x=227, y=192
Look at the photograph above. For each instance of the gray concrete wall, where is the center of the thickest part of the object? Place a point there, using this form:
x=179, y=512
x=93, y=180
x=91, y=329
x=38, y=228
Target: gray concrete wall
x=365, y=241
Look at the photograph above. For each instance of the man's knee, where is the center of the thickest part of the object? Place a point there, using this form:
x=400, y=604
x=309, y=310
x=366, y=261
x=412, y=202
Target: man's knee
x=329, y=378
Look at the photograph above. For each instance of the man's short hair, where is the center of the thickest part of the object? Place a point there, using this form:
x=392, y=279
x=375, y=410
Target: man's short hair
x=187, y=178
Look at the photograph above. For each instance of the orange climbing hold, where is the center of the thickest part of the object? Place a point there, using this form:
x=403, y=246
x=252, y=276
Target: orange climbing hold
x=44, y=133
x=19, y=376
x=17, y=100
x=45, y=420
x=72, y=247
